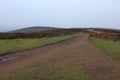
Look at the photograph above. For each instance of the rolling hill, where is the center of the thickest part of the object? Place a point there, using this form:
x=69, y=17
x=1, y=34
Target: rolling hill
x=33, y=29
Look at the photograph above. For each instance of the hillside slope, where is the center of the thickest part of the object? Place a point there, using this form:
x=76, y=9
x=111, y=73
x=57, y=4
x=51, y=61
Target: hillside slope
x=33, y=29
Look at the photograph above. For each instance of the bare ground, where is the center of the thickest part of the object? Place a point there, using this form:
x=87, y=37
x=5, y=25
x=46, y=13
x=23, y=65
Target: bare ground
x=78, y=51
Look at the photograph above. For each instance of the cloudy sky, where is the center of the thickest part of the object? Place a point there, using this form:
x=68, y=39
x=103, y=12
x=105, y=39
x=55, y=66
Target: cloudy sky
x=16, y=14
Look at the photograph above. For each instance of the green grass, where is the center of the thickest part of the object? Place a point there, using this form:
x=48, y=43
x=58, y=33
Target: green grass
x=58, y=72
x=111, y=47
x=22, y=44
x=28, y=74
x=63, y=72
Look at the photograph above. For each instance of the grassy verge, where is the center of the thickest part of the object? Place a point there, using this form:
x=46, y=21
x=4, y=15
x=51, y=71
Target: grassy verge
x=58, y=72
x=28, y=74
x=21, y=44
x=63, y=72
x=111, y=47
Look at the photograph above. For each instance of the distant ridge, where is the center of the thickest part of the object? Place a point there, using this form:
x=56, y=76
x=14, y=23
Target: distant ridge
x=33, y=29
x=43, y=28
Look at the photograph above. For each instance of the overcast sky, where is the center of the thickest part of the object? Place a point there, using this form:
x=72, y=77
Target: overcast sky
x=59, y=13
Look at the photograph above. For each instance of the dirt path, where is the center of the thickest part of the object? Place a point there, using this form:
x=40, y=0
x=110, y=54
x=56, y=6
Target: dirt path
x=92, y=60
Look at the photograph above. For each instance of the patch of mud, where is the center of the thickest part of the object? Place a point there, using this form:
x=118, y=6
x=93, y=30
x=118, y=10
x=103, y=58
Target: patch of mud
x=2, y=60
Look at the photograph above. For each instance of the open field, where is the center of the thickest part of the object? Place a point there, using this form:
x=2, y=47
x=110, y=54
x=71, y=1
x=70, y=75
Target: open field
x=12, y=45
x=74, y=59
x=111, y=47
x=59, y=39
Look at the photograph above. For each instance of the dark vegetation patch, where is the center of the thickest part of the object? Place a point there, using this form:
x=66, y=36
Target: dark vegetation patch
x=107, y=30
x=49, y=33
x=108, y=34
